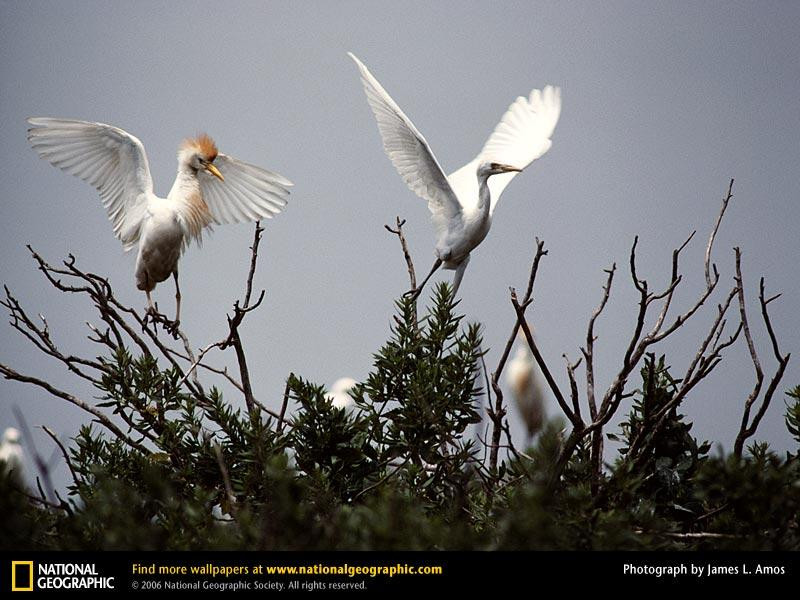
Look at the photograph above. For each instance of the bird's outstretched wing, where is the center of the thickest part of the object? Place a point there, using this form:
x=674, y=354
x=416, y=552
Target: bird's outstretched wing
x=248, y=193
x=409, y=152
x=108, y=158
x=521, y=136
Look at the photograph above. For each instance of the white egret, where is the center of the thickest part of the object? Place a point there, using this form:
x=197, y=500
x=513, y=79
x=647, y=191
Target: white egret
x=463, y=202
x=339, y=395
x=210, y=188
x=12, y=460
x=522, y=377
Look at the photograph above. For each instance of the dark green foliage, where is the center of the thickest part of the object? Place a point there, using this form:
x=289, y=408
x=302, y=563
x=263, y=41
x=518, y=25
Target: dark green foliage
x=422, y=396
x=331, y=447
x=400, y=470
x=758, y=498
x=662, y=461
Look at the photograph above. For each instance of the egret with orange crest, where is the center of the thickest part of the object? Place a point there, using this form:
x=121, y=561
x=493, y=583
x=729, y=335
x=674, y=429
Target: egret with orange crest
x=210, y=188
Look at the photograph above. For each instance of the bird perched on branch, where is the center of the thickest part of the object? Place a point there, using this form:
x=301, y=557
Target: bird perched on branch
x=523, y=379
x=11, y=455
x=210, y=188
x=463, y=202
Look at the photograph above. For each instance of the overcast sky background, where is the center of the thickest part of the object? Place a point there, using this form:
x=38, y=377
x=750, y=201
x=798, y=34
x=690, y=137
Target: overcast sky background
x=662, y=104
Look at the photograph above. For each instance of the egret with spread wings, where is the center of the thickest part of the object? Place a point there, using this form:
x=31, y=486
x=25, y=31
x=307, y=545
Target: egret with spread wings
x=463, y=202
x=210, y=188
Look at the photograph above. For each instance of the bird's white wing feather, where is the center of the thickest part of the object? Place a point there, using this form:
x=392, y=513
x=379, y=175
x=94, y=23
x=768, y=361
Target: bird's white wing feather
x=521, y=136
x=409, y=152
x=249, y=193
x=110, y=159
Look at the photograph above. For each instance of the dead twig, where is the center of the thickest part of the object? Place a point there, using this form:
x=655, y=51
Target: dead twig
x=284, y=404
x=748, y=427
x=412, y=275
x=239, y=312
x=64, y=453
x=498, y=412
x=588, y=353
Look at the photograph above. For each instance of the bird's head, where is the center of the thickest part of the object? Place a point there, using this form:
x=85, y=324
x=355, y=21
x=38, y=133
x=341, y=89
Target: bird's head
x=199, y=154
x=488, y=169
x=11, y=435
x=343, y=385
x=339, y=396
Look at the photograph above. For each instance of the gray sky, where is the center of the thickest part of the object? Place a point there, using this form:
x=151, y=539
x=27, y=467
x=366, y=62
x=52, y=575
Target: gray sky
x=662, y=104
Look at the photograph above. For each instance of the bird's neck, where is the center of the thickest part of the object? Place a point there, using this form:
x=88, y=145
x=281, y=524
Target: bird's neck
x=187, y=198
x=186, y=183
x=484, y=196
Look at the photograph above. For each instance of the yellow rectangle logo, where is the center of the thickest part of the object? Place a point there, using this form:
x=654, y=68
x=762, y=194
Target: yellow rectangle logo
x=20, y=580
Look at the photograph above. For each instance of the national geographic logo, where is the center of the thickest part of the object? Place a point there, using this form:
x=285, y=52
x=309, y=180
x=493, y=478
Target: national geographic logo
x=27, y=577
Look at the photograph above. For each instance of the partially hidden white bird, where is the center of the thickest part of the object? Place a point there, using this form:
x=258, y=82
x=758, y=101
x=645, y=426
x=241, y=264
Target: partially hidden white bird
x=522, y=376
x=339, y=395
x=12, y=460
x=462, y=203
x=210, y=188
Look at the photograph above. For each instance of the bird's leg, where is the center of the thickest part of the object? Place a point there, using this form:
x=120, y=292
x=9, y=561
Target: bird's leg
x=414, y=294
x=151, y=313
x=151, y=308
x=459, y=275
x=171, y=327
x=177, y=297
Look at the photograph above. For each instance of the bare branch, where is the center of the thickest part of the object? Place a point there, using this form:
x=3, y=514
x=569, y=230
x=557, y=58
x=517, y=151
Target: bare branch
x=39, y=336
x=284, y=404
x=253, y=259
x=714, y=233
x=675, y=279
x=748, y=427
x=239, y=312
x=588, y=352
x=573, y=384
x=639, y=284
x=497, y=413
x=196, y=362
x=110, y=309
x=715, y=332
x=767, y=321
x=571, y=415
x=63, y=506
x=753, y=355
x=706, y=365
x=10, y=373
x=639, y=344
x=412, y=275
x=64, y=452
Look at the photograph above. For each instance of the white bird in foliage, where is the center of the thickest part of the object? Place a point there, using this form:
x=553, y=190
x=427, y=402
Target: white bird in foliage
x=523, y=379
x=339, y=395
x=11, y=455
x=463, y=202
x=210, y=188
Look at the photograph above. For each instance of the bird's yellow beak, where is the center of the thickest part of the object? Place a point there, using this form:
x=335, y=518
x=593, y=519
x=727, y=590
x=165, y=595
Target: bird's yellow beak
x=509, y=169
x=214, y=171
